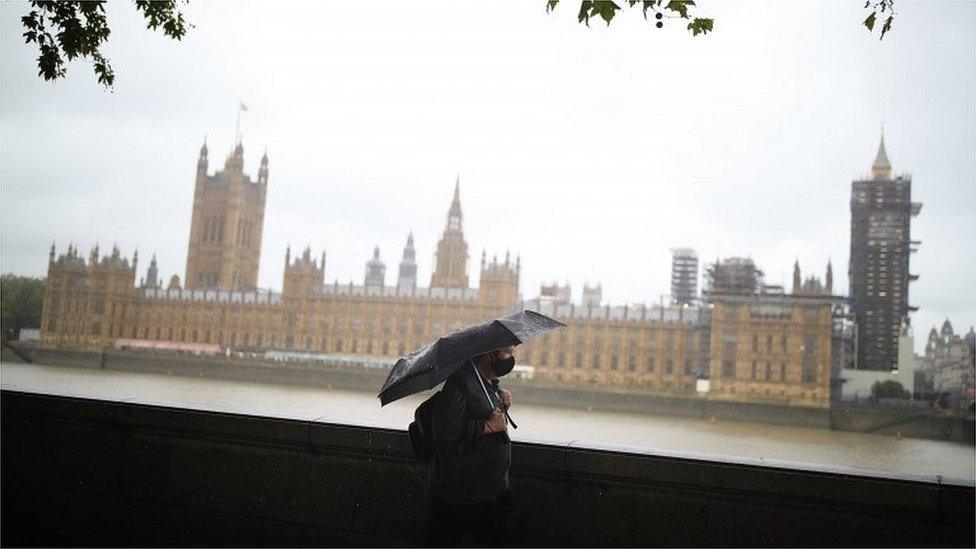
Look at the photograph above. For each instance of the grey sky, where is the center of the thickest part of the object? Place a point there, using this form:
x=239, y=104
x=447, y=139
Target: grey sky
x=591, y=151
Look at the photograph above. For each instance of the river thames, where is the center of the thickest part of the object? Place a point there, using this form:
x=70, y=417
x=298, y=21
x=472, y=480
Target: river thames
x=796, y=447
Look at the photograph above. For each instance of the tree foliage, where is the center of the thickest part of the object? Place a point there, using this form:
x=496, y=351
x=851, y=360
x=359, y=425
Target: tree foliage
x=20, y=303
x=65, y=30
x=68, y=29
x=888, y=389
x=880, y=9
x=684, y=10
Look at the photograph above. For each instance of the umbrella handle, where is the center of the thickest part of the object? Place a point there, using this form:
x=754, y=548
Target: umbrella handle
x=510, y=420
x=490, y=403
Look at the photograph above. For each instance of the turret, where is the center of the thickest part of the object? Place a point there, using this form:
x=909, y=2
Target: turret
x=263, y=171
x=235, y=161
x=202, y=162
x=796, y=277
x=829, y=279
x=407, y=277
x=303, y=276
x=152, y=274
x=499, y=282
x=375, y=270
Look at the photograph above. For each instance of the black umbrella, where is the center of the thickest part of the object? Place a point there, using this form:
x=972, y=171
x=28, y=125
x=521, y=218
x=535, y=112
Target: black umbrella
x=429, y=366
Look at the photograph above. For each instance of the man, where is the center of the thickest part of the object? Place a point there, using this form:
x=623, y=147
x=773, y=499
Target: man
x=471, y=501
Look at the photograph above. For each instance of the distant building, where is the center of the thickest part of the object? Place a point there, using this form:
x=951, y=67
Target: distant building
x=881, y=212
x=949, y=362
x=684, y=275
x=775, y=348
x=733, y=276
x=781, y=344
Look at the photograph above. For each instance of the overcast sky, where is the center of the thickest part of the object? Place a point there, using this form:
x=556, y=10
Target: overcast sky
x=590, y=151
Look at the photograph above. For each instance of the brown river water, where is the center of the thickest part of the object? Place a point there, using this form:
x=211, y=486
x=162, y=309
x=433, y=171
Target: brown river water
x=795, y=447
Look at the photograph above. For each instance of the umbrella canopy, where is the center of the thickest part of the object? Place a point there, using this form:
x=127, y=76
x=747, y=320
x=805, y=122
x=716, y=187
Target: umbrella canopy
x=429, y=366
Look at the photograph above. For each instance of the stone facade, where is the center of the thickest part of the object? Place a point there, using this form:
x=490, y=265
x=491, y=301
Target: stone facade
x=949, y=363
x=226, y=225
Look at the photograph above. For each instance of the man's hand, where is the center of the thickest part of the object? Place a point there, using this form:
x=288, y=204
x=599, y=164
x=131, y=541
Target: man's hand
x=506, y=398
x=496, y=423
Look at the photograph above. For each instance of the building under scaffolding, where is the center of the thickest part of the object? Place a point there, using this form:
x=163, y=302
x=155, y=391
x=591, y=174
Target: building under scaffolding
x=733, y=276
x=684, y=276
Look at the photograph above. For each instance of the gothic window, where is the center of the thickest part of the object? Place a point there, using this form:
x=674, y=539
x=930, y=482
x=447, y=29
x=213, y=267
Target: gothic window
x=728, y=368
x=650, y=365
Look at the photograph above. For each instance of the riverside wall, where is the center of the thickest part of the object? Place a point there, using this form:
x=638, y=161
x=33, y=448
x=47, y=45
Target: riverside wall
x=82, y=472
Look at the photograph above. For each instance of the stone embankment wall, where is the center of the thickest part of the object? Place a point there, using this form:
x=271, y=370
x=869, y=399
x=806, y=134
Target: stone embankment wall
x=86, y=472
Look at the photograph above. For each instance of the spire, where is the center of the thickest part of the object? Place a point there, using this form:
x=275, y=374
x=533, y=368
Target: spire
x=456, y=202
x=796, y=277
x=881, y=169
x=829, y=279
x=407, y=276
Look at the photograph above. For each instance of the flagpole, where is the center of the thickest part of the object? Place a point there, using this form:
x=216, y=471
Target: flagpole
x=239, y=111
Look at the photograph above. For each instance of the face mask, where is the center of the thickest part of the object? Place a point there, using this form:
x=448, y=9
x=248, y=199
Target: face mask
x=502, y=367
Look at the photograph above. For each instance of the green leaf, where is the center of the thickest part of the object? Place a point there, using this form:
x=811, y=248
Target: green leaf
x=680, y=7
x=586, y=6
x=606, y=9
x=887, y=26
x=700, y=25
x=869, y=22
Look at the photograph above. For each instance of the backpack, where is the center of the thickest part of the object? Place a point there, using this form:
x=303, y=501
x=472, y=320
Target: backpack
x=421, y=429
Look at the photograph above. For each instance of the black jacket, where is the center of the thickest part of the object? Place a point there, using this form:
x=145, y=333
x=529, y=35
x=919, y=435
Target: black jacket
x=468, y=466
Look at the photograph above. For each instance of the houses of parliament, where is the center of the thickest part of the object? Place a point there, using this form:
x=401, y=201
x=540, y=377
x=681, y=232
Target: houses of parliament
x=752, y=342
